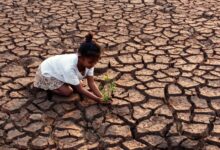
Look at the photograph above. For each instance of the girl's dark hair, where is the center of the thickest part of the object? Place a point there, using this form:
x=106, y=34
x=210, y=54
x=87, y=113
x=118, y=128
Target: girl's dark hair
x=89, y=48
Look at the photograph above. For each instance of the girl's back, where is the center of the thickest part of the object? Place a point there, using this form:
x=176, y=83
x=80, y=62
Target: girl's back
x=55, y=65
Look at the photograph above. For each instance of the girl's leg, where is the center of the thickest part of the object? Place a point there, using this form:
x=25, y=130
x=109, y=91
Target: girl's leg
x=64, y=90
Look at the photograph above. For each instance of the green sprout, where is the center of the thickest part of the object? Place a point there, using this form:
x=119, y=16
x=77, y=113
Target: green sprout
x=106, y=96
x=107, y=88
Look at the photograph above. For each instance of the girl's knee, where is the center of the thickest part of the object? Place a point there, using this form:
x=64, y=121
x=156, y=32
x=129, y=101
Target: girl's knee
x=68, y=92
x=65, y=91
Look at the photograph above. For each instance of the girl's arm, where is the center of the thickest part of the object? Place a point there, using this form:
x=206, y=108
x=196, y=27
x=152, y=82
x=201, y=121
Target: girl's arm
x=88, y=94
x=93, y=86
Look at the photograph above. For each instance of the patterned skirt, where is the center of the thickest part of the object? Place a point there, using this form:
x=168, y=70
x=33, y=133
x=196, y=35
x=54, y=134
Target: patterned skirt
x=46, y=83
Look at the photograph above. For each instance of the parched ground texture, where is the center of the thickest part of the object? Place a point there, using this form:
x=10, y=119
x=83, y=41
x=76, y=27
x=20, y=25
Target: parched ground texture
x=164, y=56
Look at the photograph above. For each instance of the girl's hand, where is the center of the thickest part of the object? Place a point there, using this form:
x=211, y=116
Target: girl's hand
x=101, y=96
x=88, y=94
x=101, y=101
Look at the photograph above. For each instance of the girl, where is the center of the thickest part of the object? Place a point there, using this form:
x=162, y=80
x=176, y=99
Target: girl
x=62, y=72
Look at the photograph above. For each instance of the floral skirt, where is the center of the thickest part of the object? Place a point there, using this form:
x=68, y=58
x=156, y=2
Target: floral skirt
x=46, y=83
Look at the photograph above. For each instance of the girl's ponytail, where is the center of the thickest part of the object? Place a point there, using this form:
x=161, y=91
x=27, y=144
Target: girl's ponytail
x=89, y=37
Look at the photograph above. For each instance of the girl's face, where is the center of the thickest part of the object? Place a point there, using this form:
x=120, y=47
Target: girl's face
x=89, y=62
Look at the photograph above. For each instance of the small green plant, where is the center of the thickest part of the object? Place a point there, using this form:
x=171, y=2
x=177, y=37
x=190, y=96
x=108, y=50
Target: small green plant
x=107, y=88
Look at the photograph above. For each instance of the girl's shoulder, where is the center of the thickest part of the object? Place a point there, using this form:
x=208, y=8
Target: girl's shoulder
x=71, y=58
x=66, y=56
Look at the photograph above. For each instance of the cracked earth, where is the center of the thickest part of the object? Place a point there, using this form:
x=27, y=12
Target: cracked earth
x=164, y=56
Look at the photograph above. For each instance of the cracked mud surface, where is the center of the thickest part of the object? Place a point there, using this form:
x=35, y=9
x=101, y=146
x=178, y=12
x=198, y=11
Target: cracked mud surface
x=164, y=56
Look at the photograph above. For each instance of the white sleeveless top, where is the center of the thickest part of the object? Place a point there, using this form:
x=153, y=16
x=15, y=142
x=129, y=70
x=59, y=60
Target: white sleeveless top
x=64, y=68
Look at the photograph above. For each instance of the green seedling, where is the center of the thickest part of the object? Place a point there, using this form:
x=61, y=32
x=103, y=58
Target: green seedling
x=106, y=96
x=107, y=88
